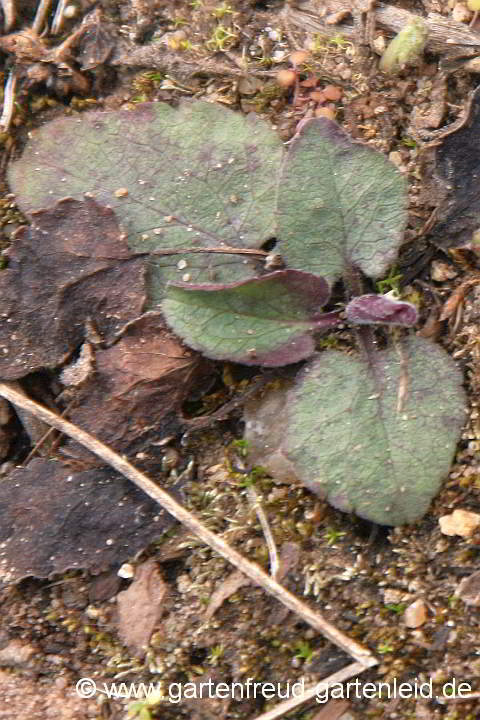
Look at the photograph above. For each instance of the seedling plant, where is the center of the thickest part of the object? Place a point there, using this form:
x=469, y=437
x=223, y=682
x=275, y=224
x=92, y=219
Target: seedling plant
x=201, y=192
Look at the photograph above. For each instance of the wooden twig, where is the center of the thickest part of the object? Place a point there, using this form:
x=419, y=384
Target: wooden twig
x=310, y=693
x=41, y=16
x=443, y=34
x=8, y=101
x=59, y=17
x=269, y=539
x=9, y=14
x=251, y=570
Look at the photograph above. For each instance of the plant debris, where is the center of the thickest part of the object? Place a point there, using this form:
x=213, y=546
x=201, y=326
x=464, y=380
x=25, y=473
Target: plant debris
x=95, y=520
x=92, y=278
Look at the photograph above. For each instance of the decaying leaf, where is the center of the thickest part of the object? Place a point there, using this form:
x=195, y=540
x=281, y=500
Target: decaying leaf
x=199, y=176
x=228, y=587
x=468, y=589
x=141, y=606
x=52, y=520
x=264, y=434
x=339, y=204
x=264, y=321
x=70, y=266
x=133, y=398
x=458, y=159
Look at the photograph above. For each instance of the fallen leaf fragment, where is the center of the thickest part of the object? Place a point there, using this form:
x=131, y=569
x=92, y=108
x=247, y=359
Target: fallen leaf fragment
x=469, y=589
x=460, y=522
x=52, y=520
x=71, y=266
x=234, y=582
x=198, y=176
x=264, y=434
x=140, y=607
x=134, y=397
x=416, y=614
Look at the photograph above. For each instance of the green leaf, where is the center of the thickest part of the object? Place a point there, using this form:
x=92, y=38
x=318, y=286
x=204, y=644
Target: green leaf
x=376, y=437
x=265, y=321
x=340, y=203
x=199, y=176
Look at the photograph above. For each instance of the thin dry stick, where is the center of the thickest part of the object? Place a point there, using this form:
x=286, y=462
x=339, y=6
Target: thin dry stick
x=9, y=15
x=8, y=101
x=255, y=573
x=272, y=548
x=288, y=705
x=59, y=17
x=41, y=16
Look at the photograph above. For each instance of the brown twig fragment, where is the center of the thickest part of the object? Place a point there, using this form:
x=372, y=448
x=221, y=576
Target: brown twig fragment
x=40, y=16
x=250, y=569
x=9, y=14
x=59, y=17
x=311, y=692
x=8, y=101
x=269, y=539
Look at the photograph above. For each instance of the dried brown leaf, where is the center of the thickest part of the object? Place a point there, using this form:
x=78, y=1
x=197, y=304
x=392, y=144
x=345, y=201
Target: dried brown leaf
x=140, y=607
x=228, y=587
x=70, y=265
x=52, y=520
x=134, y=397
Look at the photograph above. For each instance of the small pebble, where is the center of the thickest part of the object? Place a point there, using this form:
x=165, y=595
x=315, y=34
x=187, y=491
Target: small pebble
x=441, y=271
x=332, y=93
x=416, y=614
x=70, y=11
x=460, y=522
x=126, y=571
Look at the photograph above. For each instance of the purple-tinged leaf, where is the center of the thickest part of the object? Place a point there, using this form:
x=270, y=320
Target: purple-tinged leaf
x=381, y=310
x=199, y=176
x=264, y=321
x=377, y=435
x=340, y=203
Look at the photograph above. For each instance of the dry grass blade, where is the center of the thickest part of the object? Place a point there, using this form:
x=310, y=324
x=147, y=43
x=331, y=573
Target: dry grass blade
x=59, y=17
x=310, y=692
x=8, y=101
x=253, y=571
x=262, y=518
x=40, y=18
x=8, y=7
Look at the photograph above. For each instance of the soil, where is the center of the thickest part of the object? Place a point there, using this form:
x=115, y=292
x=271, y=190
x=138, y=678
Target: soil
x=55, y=631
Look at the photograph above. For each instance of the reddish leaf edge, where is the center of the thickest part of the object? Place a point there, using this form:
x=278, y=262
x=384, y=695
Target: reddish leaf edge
x=381, y=310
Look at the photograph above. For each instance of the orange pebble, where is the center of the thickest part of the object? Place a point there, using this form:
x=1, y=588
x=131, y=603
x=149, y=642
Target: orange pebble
x=298, y=57
x=318, y=96
x=286, y=78
x=332, y=93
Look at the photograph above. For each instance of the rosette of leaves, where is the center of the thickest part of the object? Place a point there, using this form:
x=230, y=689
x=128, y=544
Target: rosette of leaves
x=200, y=191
